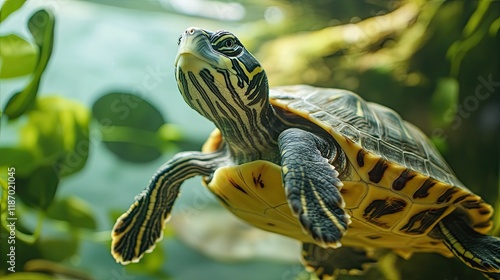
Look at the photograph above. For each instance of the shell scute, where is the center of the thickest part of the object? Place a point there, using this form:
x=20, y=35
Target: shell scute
x=324, y=117
x=369, y=143
x=392, y=153
x=350, y=132
x=415, y=163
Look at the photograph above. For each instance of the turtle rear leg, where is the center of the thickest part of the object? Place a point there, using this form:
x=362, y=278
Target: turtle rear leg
x=137, y=231
x=478, y=251
x=327, y=263
x=312, y=185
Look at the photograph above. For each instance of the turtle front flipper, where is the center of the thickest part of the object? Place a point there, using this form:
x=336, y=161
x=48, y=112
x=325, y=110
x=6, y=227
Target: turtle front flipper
x=327, y=263
x=312, y=186
x=137, y=231
x=478, y=251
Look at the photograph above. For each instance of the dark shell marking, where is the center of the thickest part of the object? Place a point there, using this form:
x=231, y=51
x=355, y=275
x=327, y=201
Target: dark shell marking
x=377, y=172
x=360, y=158
x=421, y=222
x=402, y=180
x=447, y=195
x=423, y=191
x=382, y=207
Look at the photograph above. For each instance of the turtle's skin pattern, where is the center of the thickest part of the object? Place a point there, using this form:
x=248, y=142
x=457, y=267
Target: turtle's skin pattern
x=319, y=165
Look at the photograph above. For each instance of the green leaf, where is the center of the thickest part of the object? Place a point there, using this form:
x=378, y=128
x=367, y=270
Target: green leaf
x=38, y=190
x=41, y=26
x=10, y=6
x=476, y=18
x=22, y=101
x=17, y=56
x=74, y=211
x=494, y=27
x=18, y=157
x=124, y=116
x=444, y=102
x=72, y=131
x=126, y=109
x=58, y=132
x=58, y=250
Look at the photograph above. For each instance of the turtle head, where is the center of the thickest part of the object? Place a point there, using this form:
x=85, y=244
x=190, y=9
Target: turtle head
x=218, y=77
x=224, y=82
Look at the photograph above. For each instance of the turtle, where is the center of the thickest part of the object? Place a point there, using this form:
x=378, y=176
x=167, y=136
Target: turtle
x=343, y=176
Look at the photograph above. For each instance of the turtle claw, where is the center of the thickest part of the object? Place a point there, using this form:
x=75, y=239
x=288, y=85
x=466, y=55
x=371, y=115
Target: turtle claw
x=322, y=238
x=324, y=220
x=324, y=226
x=312, y=187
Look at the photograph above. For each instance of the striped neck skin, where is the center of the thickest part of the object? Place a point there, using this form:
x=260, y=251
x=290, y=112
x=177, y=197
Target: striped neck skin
x=223, y=82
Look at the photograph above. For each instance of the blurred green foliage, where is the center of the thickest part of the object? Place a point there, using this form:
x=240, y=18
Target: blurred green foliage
x=19, y=56
x=50, y=139
x=41, y=26
x=54, y=143
x=435, y=62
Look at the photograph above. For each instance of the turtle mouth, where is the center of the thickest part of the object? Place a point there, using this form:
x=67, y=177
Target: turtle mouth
x=189, y=60
x=187, y=51
x=195, y=49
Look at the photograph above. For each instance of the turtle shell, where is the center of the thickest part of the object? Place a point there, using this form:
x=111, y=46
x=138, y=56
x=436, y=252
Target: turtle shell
x=398, y=188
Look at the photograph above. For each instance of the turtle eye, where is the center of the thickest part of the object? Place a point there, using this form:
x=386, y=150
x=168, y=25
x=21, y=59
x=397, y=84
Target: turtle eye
x=229, y=43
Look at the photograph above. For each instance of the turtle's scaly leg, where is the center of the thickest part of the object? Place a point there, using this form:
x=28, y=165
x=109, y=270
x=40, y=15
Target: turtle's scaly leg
x=479, y=251
x=312, y=186
x=138, y=230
